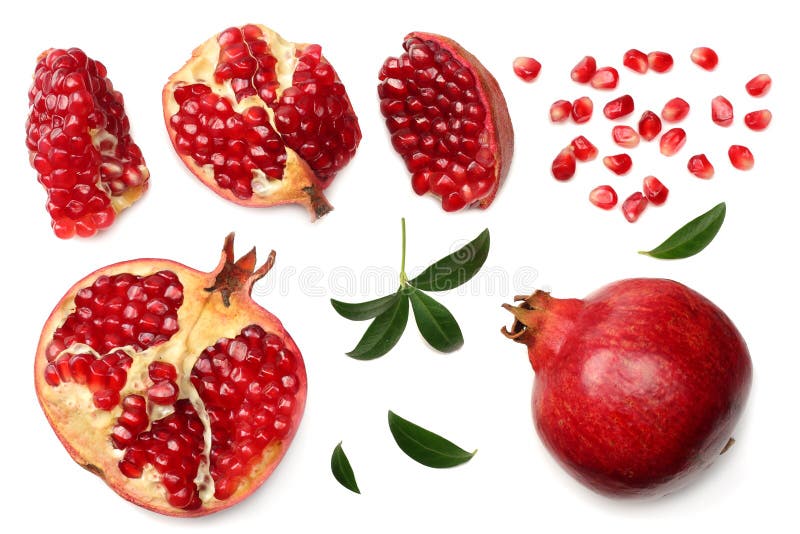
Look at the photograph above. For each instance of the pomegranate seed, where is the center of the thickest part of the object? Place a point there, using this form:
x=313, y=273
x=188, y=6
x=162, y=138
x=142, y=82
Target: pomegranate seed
x=105, y=399
x=636, y=60
x=619, y=107
x=625, y=136
x=654, y=190
x=163, y=393
x=741, y=157
x=705, y=58
x=672, y=141
x=618, y=164
x=659, y=61
x=700, y=166
x=759, y=86
x=159, y=371
x=582, y=109
x=675, y=110
x=527, y=68
x=563, y=167
x=758, y=120
x=649, y=126
x=583, y=149
x=560, y=110
x=605, y=78
x=584, y=70
x=721, y=111
x=603, y=196
x=633, y=206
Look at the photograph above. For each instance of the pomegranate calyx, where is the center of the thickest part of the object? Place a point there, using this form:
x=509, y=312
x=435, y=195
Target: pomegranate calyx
x=240, y=275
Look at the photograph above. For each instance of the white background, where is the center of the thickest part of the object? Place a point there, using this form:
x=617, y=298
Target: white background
x=544, y=235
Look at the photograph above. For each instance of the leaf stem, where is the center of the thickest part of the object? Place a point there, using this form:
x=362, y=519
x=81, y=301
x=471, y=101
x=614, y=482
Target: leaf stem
x=403, y=276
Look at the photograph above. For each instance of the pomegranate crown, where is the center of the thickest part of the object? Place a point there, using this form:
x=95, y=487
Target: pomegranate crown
x=240, y=275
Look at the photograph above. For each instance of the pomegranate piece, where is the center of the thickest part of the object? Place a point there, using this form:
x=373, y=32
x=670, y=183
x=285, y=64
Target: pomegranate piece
x=672, y=141
x=619, y=164
x=649, y=126
x=654, y=190
x=619, y=107
x=260, y=120
x=172, y=384
x=633, y=206
x=758, y=120
x=527, y=68
x=603, y=196
x=759, y=85
x=583, y=149
x=605, y=78
x=705, y=58
x=721, y=111
x=448, y=119
x=582, y=109
x=625, y=136
x=741, y=157
x=79, y=140
x=636, y=60
x=560, y=110
x=675, y=110
x=700, y=166
x=655, y=377
x=659, y=61
x=563, y=167
x=583, y=71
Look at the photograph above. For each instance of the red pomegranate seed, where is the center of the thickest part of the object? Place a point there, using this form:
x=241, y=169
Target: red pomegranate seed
x=560, y=110
x=741, y=157
x=721, y=111
x=659, y=61
x=527, y=68
x=633, y=206
x=675, y=110
x=619, y=107
x=584, y=70
x=636, y=60
x=563, y=167
x=654, y=190
x=618, y=164
x=605, y=78
x=705, y=58
x=649, y=126
x=625, y=136
x=672, y=141
x=603, y=196
x=582, y=109
x=583, y=149
x=759, y=86
x=700, y=166
x=758, y=120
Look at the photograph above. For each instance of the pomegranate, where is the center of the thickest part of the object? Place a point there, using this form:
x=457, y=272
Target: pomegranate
x=448, y=119
x=79, y=140
x=171, y=384
x=638, y=386
x=260, y=120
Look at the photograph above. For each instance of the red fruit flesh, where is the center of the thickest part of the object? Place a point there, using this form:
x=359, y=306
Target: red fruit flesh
x=672, y=141
x=448, y=120
x=619, y=107
x=560, y=110
x=721, y=111
x=705, y=58
x=638, y=386
x=700, y=166
x=759, y=85
x=619, y=164
x=649, y=126
x=625, y=136
x=583, y=149
x=675, y=110
x=260, y=120
x=172, y=384
x=563, y=167
x=659, y=61
x=583, y=71
x=758, y=120
x=634, y=206
x=603, y=196
x=635, y=60
x=654, y=190
x=527, y=68
x=605, y=78
x=582, y=109
x=741, y=157
x=78, y=136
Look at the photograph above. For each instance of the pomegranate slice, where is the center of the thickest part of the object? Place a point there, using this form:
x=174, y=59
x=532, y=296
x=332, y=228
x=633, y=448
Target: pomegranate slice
x=636, y=60
x=741, y=157
x=560, y=110
x=260, y=120
x=649, y=126
x=527, y=68
x=603, y=196
x=700, y=166
x=79, y=140
x=721, y=111
x=583, y=71
x=171, y=384
x=758, y=120
x=675, y=110
x=759, y=85
x=705, y=58
x=582, y=109
x=448, y=120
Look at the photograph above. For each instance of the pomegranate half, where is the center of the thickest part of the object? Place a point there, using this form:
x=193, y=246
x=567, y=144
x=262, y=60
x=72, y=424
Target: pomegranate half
x=171, y=384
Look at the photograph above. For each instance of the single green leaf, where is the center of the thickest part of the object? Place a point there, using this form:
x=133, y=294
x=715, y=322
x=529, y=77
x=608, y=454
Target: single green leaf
x=692, y=237
x=424, y=446
x=385, y=330
x=342, y=471
x=361, y=311
x=436, y=324
x=456, y=268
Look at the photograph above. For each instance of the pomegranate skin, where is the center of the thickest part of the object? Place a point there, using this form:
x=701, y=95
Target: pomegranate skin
x=638, y=387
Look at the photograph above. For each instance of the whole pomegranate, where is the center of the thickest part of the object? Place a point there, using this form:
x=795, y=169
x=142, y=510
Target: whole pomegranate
x=260, y=120
x=171, y=384
x=638, y=386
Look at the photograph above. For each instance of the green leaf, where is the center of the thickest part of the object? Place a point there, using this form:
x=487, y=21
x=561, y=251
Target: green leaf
x=455, y=269
x=692, y=237
x=342, y=471
x=361, y=311
x=436, y=324
x=424, y=446
x=384, y=332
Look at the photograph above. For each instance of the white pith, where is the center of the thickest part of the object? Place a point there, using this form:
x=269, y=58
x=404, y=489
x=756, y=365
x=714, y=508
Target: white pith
x=106, y=144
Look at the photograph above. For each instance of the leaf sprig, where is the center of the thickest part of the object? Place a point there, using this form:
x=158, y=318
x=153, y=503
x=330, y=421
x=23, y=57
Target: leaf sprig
x=692, y=237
